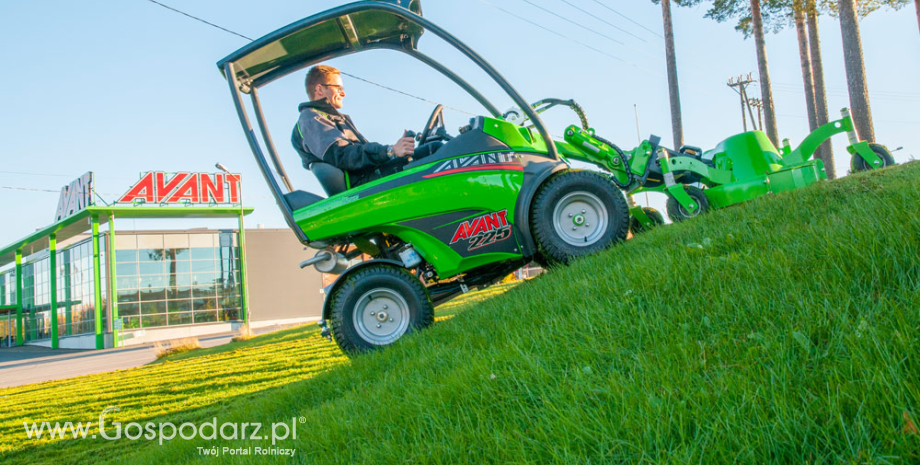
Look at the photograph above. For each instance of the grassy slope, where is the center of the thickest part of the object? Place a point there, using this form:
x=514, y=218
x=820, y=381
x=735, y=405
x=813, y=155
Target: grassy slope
x=782, y=330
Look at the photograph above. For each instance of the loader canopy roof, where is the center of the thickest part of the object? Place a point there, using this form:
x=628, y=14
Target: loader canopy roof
x=332, y=33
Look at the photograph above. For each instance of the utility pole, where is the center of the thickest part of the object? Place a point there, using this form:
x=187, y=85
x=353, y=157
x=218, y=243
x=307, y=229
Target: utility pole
x=758, y=104
x=739, y=85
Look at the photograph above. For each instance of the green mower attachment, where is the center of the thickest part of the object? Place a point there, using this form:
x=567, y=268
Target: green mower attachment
x=738, y=169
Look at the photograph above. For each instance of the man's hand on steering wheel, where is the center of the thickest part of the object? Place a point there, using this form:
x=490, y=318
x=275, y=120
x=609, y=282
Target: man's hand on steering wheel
x=404, y=147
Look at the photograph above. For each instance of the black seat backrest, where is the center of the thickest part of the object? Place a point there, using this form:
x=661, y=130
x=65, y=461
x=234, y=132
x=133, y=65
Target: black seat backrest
x=331, y=178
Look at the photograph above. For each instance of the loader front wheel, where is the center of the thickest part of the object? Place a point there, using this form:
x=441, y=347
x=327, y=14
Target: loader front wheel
x=376, y=306
x=577, y=213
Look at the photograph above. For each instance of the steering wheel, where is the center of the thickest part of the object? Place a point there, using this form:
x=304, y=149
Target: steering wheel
x=434, y=128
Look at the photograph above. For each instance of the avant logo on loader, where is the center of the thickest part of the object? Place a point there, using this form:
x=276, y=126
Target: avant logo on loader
x=484, y=230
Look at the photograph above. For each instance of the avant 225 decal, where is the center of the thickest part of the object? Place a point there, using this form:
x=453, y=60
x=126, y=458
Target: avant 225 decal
x=484, y=230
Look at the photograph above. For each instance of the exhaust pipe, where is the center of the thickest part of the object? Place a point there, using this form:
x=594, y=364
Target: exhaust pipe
x=327, y=262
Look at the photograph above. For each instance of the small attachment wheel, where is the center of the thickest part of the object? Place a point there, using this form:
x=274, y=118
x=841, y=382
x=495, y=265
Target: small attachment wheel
x=576, y=213
x=638, y=228
x=678, y=213
x=858, y=164
x=376, y=306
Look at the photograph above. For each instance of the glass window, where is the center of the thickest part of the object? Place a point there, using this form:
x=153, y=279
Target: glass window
x=204, y=304
x=203, y=291
x=148, y=308
x=228, y=314
x=180, y=279
x=129, y=282
x=179, y=292
x=128, y=295
x=203, y=265
x=148, y=321
x=155, y=281
x=151, y=267
x=180, y=305
x=128, y=309
x=124, y=256
x=203, y=278
x=125, y=269
x=200, y=253
x=153, y=293
x=183, y=267
x=151, y=255
x=180, y=318
x=178, y=255
x=205, y=317
x=132, y=322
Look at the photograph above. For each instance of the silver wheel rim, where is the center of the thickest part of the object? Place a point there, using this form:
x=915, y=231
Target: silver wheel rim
x=580, y=219
x=381, y=316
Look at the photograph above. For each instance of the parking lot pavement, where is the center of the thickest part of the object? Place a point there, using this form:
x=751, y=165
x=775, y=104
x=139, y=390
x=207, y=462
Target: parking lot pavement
x=32, y=364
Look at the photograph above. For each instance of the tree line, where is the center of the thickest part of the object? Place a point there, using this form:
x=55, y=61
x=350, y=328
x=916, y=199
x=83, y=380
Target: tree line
x=754, y=17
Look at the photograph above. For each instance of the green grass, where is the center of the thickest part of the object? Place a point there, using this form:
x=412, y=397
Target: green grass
x=783, y=330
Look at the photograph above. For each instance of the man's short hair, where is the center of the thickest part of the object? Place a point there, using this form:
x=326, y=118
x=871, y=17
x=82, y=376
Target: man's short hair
x=319, y=74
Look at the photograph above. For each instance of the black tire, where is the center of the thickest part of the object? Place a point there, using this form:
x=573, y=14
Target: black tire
x=678, y=213
x=369, y=288
x=638, y=228
x=571, y=194
x=858, y=164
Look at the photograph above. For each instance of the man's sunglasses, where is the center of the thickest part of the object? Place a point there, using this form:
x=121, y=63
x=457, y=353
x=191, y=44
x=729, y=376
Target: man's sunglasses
x=335, y=86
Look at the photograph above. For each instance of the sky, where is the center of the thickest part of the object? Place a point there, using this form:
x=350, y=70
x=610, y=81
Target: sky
x=121, y=88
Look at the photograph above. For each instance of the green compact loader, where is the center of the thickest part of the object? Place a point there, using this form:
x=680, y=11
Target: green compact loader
x=493, y=198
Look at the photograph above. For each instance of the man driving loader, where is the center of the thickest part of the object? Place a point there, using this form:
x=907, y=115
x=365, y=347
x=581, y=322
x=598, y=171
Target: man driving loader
x=323, y=135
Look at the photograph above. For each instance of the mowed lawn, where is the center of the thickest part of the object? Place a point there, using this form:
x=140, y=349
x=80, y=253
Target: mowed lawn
x=785, y=330
x=188, y=387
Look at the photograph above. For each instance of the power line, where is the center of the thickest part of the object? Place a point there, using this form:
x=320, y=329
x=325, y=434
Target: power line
x=29, y=189
x=572, y=22
x=37, y=174
x=629, y=19
x=199, y=19
x=602, y=20
x=349, y=75
x=552, y=31
x=405, y=93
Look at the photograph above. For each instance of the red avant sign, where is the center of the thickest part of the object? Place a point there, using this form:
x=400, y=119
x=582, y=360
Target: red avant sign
x=160, y=187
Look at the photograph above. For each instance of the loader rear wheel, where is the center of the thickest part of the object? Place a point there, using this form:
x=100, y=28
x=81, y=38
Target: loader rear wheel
x=638, y=228
x=678, y=213
x=376, y=306
x=577, y=213
x=858, y=164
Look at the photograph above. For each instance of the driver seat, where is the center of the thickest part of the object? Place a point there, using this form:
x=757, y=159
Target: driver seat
x=331, y=178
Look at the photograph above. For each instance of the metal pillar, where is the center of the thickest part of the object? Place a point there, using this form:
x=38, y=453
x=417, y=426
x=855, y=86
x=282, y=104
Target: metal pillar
x=52, y=276
x=244, y=280
x=20, y=333
x=97, y=285
x=68, y=269
x=113, y=288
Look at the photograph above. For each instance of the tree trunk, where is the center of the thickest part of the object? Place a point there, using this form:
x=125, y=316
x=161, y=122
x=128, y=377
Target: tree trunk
x=856, y=70
x=826, y=150
x=765, y=88
x=673, y=87
x=805, y=59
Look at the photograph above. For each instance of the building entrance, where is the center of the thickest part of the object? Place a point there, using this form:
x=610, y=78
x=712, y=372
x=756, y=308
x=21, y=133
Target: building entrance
x=7, y=326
